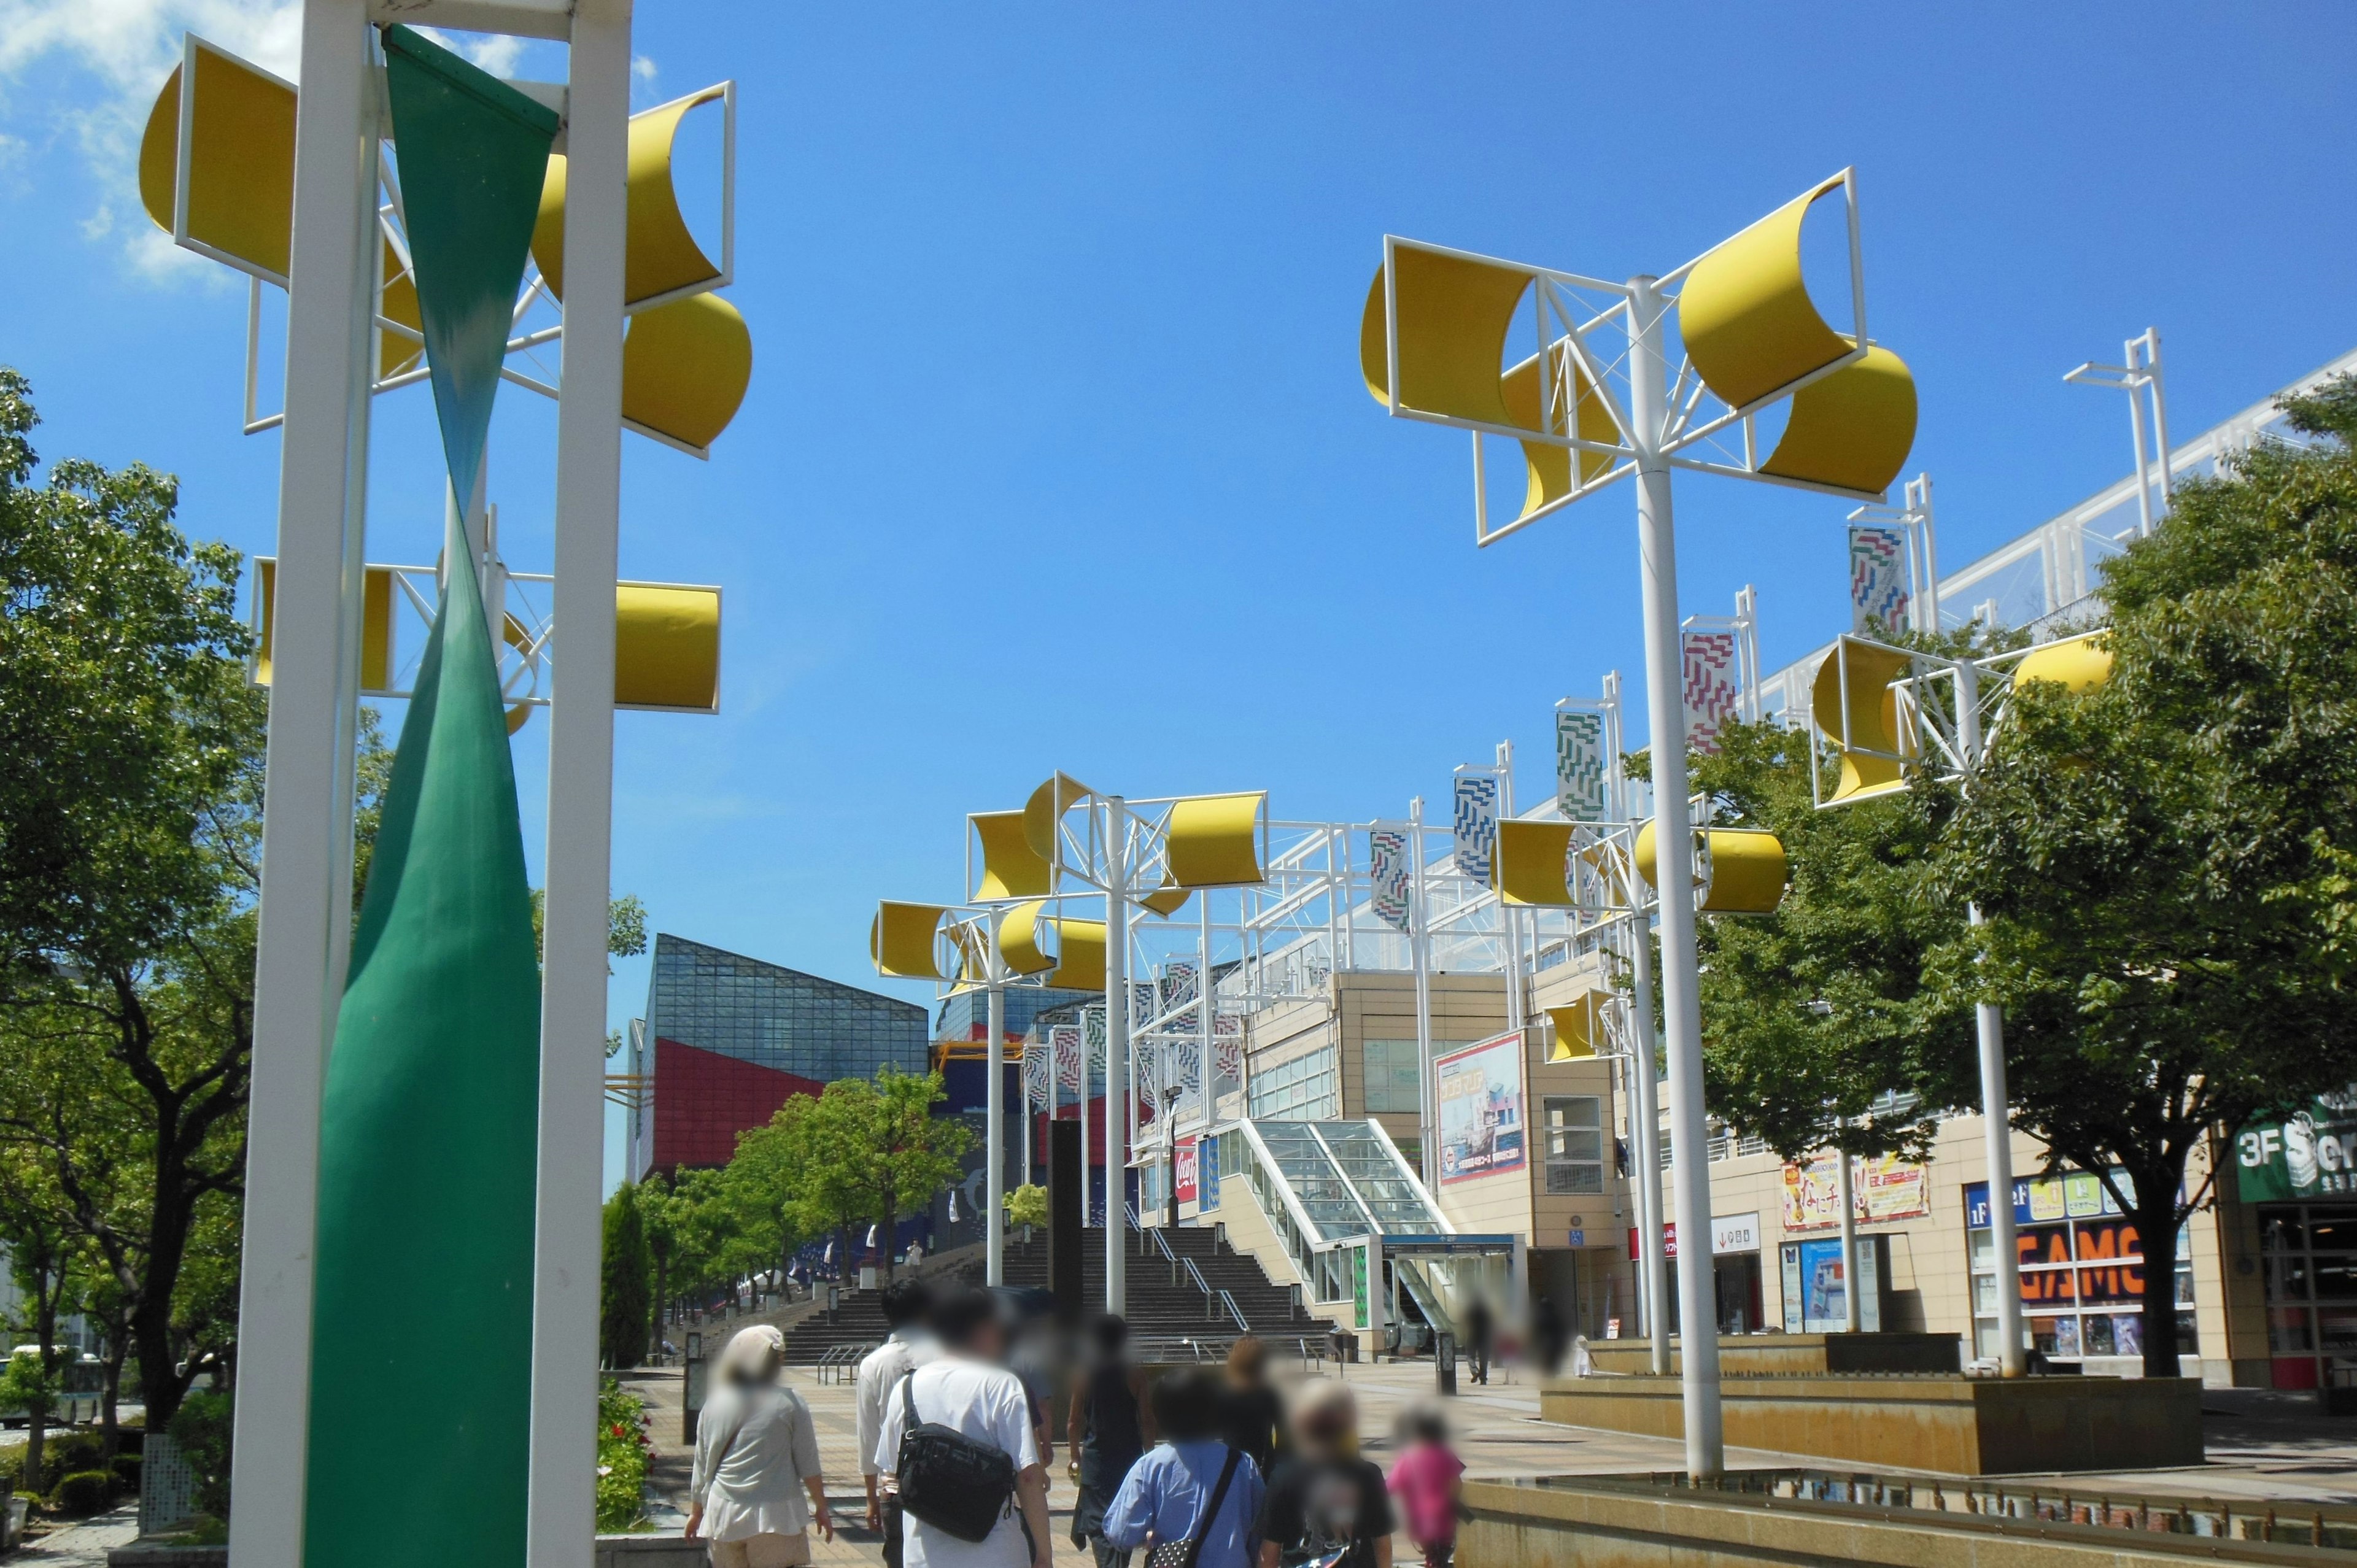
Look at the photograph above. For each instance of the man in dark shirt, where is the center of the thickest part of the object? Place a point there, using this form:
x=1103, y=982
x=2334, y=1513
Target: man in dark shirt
x=1325, y=1505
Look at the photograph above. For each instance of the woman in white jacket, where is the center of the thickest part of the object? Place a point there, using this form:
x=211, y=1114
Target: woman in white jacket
x=756, y=1456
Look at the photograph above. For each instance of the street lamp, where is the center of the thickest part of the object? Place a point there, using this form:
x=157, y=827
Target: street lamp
x=1598, y=400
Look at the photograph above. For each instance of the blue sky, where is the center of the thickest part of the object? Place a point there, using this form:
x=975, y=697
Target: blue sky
x=1055, y=454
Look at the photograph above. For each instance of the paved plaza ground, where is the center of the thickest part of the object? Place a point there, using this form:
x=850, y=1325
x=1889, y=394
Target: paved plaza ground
x=2261, y=1445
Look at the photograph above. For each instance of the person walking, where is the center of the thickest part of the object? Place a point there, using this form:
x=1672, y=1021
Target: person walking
x=907, y=1303
x=1325, y=1505
x=1191, y=1502
x=962, y=1393
x=1254, y=1420
x=1480, y=1330
x=1109, y=1429
x=756, y=1456
x=1426, y=1480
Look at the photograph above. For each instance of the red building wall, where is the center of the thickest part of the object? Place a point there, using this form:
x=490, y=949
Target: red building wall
x=702, y=1100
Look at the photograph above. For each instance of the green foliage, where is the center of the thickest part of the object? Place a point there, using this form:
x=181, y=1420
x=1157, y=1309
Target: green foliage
x=83, y=1493
x=28, y=1386
x=625, y=1288
x=126, y=1471
x=1028, y=1205
x=626, y=926
x=78, y=1451
x=623, y=1447
x=203, y=1427
x=131, y=746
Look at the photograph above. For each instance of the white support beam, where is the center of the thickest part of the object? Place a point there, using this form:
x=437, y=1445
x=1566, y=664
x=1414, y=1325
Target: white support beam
x=524, y=18
x=305, y=916
x=561, y=1528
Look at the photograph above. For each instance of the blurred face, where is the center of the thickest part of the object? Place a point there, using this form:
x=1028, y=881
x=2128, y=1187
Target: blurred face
x=989, y=1342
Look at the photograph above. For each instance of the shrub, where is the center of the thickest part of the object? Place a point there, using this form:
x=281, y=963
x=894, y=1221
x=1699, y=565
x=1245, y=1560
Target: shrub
x=67, y=1452
x=622, y=1444
x=83, y=1492
x=127, y=1470
x=202, y=1427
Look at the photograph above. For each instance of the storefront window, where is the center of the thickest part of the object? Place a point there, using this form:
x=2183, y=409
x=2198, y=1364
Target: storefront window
x=2311, y=1251
x=1302, y=1089
x=2083, y=1278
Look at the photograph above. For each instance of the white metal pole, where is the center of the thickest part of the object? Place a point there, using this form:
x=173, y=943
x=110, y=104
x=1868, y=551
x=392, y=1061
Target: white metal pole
x=1419, y=944
x=560, y=1530
x=2159, y=412
x=1651, y=1258
x=994, y=1223
x=306, y=913
x=1996, y=1117
x=1116, y=1050
x=1080, y=1108
x=1673, y=880
x=1846, y=1193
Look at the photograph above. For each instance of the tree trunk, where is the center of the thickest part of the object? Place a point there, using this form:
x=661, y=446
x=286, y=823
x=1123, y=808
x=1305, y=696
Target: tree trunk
x=2156, y=1227
x=662, y=1283
x=891, y=1224
x=110, y=1428
x=49, y=1288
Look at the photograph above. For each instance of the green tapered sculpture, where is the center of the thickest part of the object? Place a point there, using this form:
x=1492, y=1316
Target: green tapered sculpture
x=421, y=1357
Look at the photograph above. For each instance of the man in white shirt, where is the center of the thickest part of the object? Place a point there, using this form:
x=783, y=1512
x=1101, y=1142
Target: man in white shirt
x=907, y=1305
x=965, y=1391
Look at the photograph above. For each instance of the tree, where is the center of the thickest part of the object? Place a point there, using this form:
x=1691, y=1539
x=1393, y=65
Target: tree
x=911, y=1153
x=2162, y=863
x=130, y=795
x=1026, y=1206
x=41, y=1258
x=624, y=1294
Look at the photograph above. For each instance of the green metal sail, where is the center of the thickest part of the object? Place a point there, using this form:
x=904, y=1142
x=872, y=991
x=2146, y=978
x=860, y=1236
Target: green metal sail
x=422, y=1339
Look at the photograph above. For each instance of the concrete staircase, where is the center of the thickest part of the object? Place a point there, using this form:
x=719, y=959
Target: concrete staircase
x=1159, y=1308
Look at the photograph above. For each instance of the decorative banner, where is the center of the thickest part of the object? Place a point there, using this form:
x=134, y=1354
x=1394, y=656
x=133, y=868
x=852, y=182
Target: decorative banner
x=1228, y=1054
x=1878, y=579
x=1884, y=1186
x=1064, y=1040
x=1391, y=879
x=1038, y=1063
x=2311, y=1154
x=1710, y=695
x=1480, y=1091
x=1476, y=826
x=1579, y=765
x=430, y=1110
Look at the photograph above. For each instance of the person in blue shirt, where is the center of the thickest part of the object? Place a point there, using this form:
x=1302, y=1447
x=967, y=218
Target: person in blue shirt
x=1165, y=1501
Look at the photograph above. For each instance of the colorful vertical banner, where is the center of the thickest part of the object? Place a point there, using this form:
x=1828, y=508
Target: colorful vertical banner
x=1711, y=697
x=1878, y=579
x=1064, y=1041
x=1391, y=878
x=1579, y=765
x=1479, y=1092
x=1476, y=824
x=1184, y=1162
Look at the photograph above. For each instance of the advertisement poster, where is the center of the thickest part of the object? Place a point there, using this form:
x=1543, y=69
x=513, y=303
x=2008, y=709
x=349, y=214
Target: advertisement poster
x=1884, y=1187
x=1183, y=1158
x=1359, y=1286
x=2311, y=1154
x=1207, y=1172
x=1480, y=1091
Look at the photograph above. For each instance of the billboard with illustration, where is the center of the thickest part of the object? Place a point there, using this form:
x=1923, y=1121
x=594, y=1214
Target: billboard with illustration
x=1479, y=1092
x=2312, y=1153
x=1884, y=1186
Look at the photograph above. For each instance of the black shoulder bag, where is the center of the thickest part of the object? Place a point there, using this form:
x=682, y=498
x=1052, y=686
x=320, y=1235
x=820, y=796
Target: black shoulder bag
x=949, y=1481
x=1183, y=1554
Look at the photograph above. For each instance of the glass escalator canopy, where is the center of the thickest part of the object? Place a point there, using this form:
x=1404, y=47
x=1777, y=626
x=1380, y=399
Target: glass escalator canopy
x=1348, y=1179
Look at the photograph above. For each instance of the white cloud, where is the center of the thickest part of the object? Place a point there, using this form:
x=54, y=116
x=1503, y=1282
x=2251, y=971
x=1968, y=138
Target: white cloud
x=643, y=68
x=126, y=49
x=495, y=52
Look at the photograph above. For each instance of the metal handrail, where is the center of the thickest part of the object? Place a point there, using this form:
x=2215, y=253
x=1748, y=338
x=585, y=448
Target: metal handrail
x=1195, y=1275
x=1228, y=1300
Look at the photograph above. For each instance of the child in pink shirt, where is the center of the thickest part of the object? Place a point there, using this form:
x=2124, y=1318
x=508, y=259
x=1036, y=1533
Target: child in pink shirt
x=1424, y=1479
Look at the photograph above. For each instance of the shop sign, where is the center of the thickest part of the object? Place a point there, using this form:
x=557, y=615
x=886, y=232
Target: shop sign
x=2041, y=1201
x=1883, y=1187
x=2311, y=1154
x=1729, y=1233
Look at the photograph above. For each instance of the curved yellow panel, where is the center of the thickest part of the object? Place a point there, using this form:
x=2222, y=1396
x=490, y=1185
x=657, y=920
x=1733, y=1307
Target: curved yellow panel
x=666, y=646
x=1871, y=721
x=1453, y=318
x=1028, y=938
x=685, y=367
x=1548, y=469
x=659, y=255
x=905, y=940
x=1530, y=864
x=1852, y=430
x=1745, y=312
x=518, y=717
x=241, y=168
x=1080, y=955
x=1747, y=870
x=1046, y=808
x=2077, y=664
x=1009, y=868
x=376, y=628
x=1214, y=841
x=1578, y=1026
x=1166, y=900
